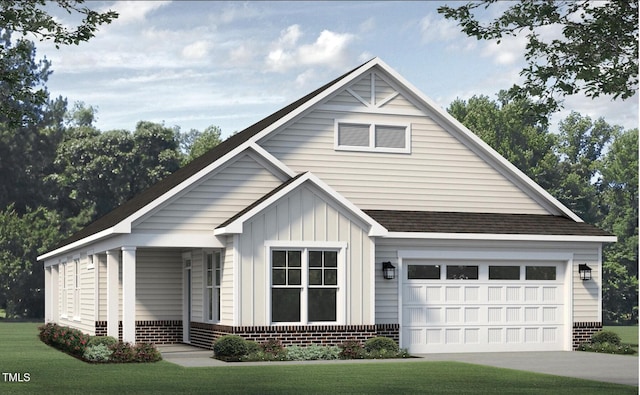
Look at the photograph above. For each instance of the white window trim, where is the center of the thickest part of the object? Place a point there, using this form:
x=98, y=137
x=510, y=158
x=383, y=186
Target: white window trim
x=372, y=133
x=206, y=308
x=341, y=300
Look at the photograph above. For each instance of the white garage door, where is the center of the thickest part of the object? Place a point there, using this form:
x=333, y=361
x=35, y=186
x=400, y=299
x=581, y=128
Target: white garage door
x=482, y=306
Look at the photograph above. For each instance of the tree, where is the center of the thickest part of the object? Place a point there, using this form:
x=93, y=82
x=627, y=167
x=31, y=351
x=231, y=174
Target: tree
x=508, y=128
x=22, y=239
x=596, y=52
x=196, y=143
x=582, y=143
x=97, y=171
x=20, y=85
x=620, y=205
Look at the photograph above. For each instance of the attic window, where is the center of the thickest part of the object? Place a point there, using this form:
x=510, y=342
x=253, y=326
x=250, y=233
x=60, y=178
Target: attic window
x=351, y=136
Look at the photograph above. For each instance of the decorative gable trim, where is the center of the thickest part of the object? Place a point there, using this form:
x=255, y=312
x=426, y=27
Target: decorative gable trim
x=235, y=224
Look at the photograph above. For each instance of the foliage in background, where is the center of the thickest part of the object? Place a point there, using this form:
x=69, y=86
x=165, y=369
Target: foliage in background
x=572, y=46
x=20, y=85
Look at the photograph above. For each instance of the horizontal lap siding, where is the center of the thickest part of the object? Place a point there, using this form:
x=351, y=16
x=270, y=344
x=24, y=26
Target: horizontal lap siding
x=440, y=174
x=213, y=200
x=158, y=284
x=585, y=299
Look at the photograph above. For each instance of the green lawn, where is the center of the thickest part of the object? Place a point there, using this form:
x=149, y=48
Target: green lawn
x=51, y=371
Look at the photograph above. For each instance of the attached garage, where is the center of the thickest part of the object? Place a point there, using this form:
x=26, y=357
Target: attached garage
x=480, y=305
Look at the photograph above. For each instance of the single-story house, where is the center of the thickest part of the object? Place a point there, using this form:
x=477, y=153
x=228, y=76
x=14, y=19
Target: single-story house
x=361, y=209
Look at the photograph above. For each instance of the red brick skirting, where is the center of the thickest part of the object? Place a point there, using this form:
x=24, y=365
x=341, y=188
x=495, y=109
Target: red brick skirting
x=203, y=335
x=156, y=332
x=582, y=332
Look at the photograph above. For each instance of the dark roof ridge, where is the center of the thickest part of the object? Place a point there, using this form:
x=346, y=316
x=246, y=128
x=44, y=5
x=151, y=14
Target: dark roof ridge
x=145, y=197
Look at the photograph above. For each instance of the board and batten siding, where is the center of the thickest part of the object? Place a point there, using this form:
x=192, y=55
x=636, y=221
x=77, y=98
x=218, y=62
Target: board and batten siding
x=305, y=215
x=585, y=293
x=214, y=199
x=227, y=303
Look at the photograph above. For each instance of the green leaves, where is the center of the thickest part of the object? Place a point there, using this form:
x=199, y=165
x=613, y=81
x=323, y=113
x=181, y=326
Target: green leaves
x=573, y=47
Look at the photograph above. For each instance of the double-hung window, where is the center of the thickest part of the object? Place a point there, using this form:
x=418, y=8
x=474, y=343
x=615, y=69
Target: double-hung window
x=213, y=275
x=305, y=285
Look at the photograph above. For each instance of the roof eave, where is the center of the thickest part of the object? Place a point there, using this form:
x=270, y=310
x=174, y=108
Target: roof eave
x=500, y=237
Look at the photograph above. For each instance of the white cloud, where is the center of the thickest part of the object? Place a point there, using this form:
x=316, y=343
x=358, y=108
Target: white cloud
x=438, y=29
x=134, y=11
x=329, y=49
x=196, y=50
x=508, y=52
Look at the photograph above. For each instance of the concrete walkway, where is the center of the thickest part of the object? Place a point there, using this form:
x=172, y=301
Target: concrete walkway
x=619, y=369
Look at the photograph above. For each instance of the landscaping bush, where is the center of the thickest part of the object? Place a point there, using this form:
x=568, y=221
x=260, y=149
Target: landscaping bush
x=272, y=346
x=381, y=345
x=146, y=352
x=606, y=342
x=97, y=353
x=102, y=340
x=606, y=337
x=352, y=349
x=122, y=352
x=312, y=353
x=252, y=346
x=69, y=340
x=230, y=347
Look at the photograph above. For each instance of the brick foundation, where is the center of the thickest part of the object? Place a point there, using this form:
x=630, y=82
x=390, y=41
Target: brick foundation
x=203, y=335
x=582, y=332
x=156, y=332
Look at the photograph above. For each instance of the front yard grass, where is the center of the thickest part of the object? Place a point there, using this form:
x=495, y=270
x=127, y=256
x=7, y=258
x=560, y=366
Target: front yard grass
x=51, y=371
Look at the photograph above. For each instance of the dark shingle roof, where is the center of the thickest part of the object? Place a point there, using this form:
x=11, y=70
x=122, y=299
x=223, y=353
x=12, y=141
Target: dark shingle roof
x=141, y=200
x=483, y=223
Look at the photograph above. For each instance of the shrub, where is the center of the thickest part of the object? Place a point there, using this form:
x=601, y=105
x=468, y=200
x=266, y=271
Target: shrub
x=606, y=337
x=312, y=353
x=97, y=353
x=69, y=340
x=352, y=349
x=230, y=347
x=122, y=352
x=102, y=340
x=146, y=352
x=607, y=348
x=381, y=344
x=252, y=346
x=272, y=346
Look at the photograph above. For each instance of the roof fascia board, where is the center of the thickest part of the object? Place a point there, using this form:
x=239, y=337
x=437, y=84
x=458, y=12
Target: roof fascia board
x=236, y=226
x=318, y=98
x=473, y=138
x=272, y=160
x=77, y=244
x=500, y=237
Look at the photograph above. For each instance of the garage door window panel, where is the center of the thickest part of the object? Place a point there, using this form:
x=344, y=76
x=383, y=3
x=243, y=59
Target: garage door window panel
x=504, y=272
x=423, y=272
x=544, y=273
x=462, y=272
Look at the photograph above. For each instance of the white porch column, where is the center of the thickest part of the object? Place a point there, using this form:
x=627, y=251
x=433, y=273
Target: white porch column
x=129, y=294
x=55, y=293
x=113, y=316
x=48, y=288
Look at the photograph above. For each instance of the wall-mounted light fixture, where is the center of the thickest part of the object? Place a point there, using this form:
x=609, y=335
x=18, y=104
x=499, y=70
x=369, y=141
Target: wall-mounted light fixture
x=585, y=272
x=388, y=271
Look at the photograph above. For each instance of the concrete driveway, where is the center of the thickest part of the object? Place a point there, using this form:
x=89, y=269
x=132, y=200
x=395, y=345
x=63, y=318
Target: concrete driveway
x=619, y=369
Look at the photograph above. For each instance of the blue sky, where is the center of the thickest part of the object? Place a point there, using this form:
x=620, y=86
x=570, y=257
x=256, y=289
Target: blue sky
x=229, y=64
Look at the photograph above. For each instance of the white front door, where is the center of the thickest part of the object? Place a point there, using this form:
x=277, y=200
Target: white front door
x=474, y=306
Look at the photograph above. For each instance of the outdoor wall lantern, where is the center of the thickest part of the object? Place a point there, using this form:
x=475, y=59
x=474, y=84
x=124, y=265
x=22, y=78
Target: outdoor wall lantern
x=388, y=271
x=585, y=272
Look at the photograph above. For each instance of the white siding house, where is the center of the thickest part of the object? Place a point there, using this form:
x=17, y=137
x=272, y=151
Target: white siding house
x=283, y=230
